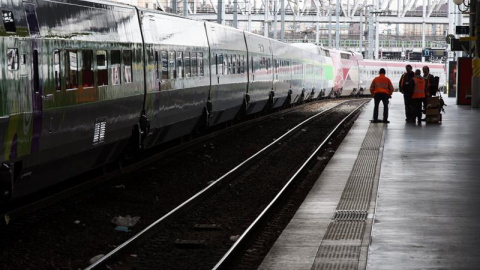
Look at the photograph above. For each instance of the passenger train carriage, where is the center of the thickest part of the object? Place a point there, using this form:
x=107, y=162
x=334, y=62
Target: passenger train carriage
x=395, y=69
x=84, y=82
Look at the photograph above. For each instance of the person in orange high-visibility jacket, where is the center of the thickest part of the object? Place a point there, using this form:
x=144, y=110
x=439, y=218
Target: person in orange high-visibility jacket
x=418, y=95
x=381, y=90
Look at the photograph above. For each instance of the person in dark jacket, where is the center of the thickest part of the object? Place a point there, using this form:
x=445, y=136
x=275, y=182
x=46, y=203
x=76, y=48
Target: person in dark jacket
x=406, y=88
x=381, y=90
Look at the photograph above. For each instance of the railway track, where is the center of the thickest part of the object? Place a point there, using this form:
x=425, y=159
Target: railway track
x=214, y=226
x=150, y=191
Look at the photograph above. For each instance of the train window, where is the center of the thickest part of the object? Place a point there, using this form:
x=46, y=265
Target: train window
x=251, y=61
x=235, y=64
x=164, y=55
x=102, y=68
x=36, y=73
x=12, y=58
x=71, y=69
x=157, y=73
x=127, y=66
x=115, y=67
x=8, y=21
x=180, y=71
x=221, y=64
x=230, y=64
x=56, y=70
x=243, y=64
x=226, y=65
x=32, y=19
x=239, y=69
x=194, y=64
x=87, y=68
x=187, y=65
x=200, y=64
x=171, y=65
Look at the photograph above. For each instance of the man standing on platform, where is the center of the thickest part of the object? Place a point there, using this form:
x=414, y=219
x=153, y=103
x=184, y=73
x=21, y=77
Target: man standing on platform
x=418, y=96
x=406, y=88
x=381, y=90
x=430, y=87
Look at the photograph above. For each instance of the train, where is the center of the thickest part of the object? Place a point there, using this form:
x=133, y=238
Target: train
x=86, y=84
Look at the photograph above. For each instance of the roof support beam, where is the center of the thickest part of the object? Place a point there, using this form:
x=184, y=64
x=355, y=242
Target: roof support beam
x=407, y=7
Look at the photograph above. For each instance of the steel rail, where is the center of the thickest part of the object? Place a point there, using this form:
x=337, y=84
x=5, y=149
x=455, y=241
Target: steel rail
x=103, y=261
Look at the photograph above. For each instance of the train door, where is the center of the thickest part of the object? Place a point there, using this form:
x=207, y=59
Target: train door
x=35, y=84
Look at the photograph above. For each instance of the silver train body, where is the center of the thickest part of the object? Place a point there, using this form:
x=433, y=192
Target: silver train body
x=82, y=83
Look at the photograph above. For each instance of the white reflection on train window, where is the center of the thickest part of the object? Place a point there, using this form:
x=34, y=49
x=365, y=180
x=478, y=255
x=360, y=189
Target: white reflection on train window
x=180, y=73
x=127, y=63
x=220, y=64
x=8, y=21
x=12, y=59
x=171, y=65
x=164, y=55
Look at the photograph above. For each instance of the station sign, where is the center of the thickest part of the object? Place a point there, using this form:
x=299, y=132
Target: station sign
x=426, y=52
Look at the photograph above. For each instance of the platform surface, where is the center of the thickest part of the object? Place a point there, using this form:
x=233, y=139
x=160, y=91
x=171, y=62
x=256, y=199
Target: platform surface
x=427, y=210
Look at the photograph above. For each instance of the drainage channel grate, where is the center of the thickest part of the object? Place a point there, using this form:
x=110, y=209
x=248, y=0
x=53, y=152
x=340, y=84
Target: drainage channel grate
x=338, y=252
x=345, y=230
x=338, y=257
x=341, y=244
x=348, y=215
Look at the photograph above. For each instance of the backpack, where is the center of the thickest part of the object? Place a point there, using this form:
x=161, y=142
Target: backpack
x=441, y=104
x=434, y=86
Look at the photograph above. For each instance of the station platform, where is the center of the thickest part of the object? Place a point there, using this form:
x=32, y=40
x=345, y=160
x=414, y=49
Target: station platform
x=394, y=196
